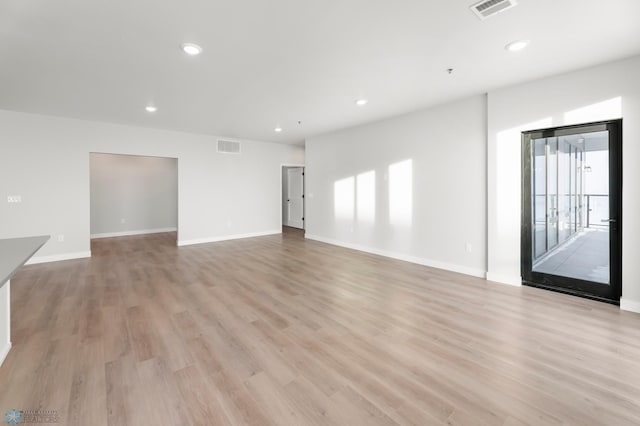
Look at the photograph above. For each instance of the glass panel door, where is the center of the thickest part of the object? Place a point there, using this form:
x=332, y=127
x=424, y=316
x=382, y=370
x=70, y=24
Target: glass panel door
x=540, y=193
x=572, y=209
x=552, y=193
x=564, y=190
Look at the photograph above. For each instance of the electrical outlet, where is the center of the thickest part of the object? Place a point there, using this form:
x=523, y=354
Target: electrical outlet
x=14, y=199
x=123, y=220
x=61, y=238
x=468, y=247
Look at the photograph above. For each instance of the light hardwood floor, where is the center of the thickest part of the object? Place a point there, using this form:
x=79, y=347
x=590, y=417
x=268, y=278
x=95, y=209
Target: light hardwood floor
x=281, y=331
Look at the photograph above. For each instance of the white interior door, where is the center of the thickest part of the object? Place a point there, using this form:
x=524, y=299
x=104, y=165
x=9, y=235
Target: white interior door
x=295, y=197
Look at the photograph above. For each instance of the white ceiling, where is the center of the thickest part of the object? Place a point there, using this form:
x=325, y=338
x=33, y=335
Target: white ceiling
x=269, y=63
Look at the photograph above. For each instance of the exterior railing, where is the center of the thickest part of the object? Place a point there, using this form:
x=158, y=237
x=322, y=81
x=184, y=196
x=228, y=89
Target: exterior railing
x=596, y=205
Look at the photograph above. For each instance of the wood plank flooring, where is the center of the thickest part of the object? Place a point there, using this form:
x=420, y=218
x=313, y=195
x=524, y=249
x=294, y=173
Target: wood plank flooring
x=277, y=330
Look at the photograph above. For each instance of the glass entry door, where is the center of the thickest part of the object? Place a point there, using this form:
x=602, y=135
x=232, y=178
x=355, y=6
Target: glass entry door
x=571, y=209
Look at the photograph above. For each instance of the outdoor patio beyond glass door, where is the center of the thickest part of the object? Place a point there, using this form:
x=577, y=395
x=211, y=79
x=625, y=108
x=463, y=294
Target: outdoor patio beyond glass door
x=570, y=217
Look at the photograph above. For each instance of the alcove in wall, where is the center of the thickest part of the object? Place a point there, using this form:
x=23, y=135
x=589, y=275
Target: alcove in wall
x=132, y=195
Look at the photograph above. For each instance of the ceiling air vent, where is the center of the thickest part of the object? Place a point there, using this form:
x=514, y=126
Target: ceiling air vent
x=487, y=8
x=228, y=147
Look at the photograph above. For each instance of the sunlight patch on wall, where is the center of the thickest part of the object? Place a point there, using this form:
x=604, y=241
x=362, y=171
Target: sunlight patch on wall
x=343, y=198
x=401, y=193
x=606, y=110
x=366, y=196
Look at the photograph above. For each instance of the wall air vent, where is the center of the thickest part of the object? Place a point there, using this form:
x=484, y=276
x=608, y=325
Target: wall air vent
x=228, y=147
x=487, y=8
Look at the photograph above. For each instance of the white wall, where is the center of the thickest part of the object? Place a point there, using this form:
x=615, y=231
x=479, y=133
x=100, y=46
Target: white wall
x=445, y=192
x=598, y=93
x=46, y=161
x=133, y=194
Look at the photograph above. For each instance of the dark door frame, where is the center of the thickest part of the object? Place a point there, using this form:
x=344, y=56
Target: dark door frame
x=608, y=293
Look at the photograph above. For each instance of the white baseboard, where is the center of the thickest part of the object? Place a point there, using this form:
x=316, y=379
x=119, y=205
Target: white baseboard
x=399, y=256
x=629, y=305
x=514, y=280
x=4, y=352
x=128, y=233
x=227, y=237
x=58, y=257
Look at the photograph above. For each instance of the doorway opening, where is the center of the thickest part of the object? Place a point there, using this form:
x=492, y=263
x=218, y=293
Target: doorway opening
x=572, y=209
x=132, y=195
x=293, y=203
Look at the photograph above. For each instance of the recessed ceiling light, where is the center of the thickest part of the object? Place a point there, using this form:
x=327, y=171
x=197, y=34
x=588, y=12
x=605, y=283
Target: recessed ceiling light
x=151, y=108
x=191, y=49
x=277, y=129
x=362, y=102
x=514, y=46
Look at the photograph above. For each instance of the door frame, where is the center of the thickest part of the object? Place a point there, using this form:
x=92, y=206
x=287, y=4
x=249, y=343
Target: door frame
x=582, y=288
x=304, y=199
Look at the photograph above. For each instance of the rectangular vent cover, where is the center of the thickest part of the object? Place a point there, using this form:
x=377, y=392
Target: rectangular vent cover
x=228, y=147
x=487, y=8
